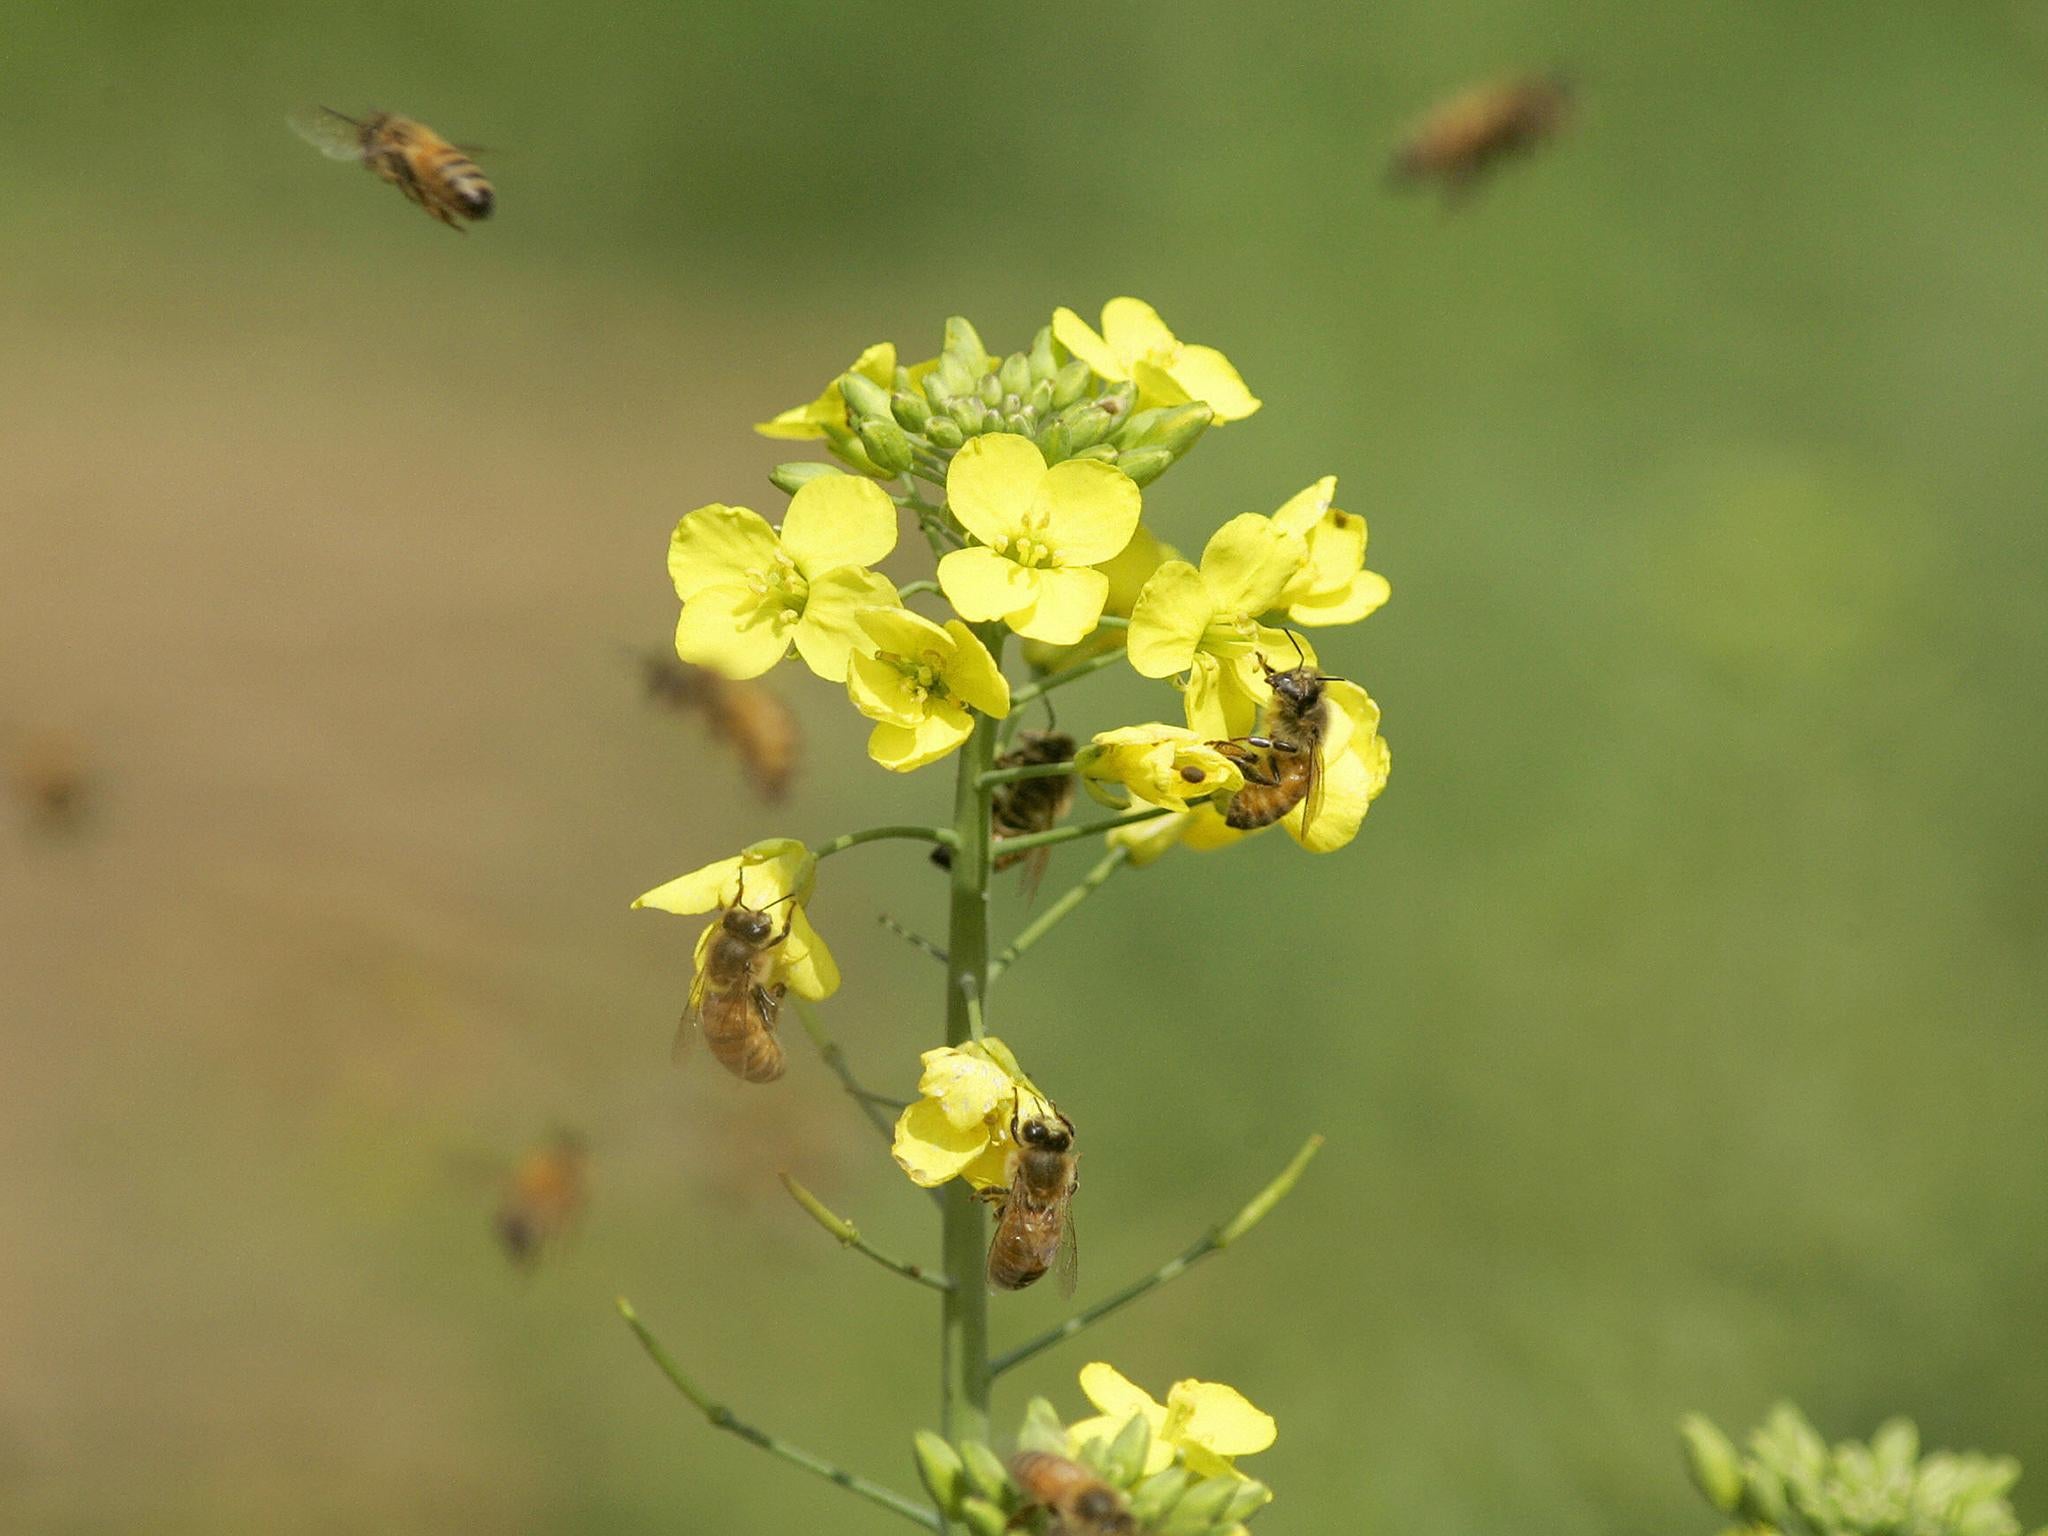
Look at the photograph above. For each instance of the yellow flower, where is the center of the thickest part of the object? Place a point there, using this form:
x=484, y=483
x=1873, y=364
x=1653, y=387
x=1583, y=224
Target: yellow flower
x=1161, y=765
x=1334, y=587
x=1127, y=574
x=919, y=681
x=877, y=365
x=1205, y=621
x=1040, y=531
x=1200, y=827
x=1203, y=1424
x=747, y=592
x=1136, y=345
x=762, y=873
x=1355, y=765
x=959, y=1125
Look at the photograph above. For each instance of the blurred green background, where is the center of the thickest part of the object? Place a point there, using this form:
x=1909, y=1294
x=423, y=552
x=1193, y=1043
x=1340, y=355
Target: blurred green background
x=1676, y=1022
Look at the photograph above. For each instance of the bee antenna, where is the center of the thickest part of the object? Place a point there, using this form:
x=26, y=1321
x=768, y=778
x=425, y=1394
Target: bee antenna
x=1298, y=651
x=778, y=901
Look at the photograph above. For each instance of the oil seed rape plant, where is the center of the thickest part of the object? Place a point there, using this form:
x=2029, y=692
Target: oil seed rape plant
x=1026, y=477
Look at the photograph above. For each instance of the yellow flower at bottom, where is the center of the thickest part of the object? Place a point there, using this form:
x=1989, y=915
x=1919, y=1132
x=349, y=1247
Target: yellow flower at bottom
x=1135, y=344
x=761, y=874
x=919, y=679
x=1161, y=765
x=1203, y=1424
x=959, y=1125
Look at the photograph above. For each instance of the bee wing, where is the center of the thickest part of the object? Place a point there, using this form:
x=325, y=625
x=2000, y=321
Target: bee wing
x=335, y=136
x=1069, y=1262
x=693, y=1011
x=1034, y=871
x=1312, y=802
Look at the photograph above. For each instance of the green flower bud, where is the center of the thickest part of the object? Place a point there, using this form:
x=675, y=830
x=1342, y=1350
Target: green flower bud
x=798, y=473
x=1089, y=425
x=1071, y=383
x=1715, y=1465
x=1177, y=429
x=990, y=389
x=1056, y=442
x=1042, y=1429
x=935, y=390
x=984, y=1518
x=1762, y=1501
x=945, y=433
x=1020, y=422
x=1118, y=398
x=1015, y=374
x=1040, y=398
x=1126, y=1458
x=1044, y=363
x=1251, y=1495
x=970, y=413
x=910, y=410
x=985, y=1471
x=940, y=1469
x=1200, y=1508
x=863, y=395
x=890, y=448
x=954, y=376
x=1144, y=465
x=1103, y=451
x=1095, y=1454
x=963, y=342
x=847, y=448
x=1157, y=1494
x=1131, y=430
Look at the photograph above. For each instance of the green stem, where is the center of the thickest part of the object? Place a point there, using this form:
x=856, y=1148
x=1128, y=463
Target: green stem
x=940, y=835
x=1214, y=1241
x=721, y=1417
x=1065, y=675
x=828, y=1048
x=997, y=776
x=1047, y=920
x=913, y=588
x=1086, y=829
x=849, y=1237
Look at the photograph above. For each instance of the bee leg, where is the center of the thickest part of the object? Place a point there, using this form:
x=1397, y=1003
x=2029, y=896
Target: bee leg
x=769, y=1001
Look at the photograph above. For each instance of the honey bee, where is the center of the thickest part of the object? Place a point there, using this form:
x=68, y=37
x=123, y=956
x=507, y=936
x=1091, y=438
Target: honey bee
x=1283, y=765
x=50, y=779
x=732, y=1002
x=1082, y=1504
x=1462, y=138
x=543, y=1197
x=750, y=718
x=1034, y=1214
x=1024, y=806
x=429, y=170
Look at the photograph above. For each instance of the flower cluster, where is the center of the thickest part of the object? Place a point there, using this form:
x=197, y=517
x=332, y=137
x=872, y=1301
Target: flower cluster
x=959, y=1126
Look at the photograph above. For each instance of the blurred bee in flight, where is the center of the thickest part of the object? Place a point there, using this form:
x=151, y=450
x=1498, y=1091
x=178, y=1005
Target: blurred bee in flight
x=437, y=175
x=1283, y=764
x=48, y=776
x=1081, y=1503
x=749, y=717
x=732, y=1002
x=1462, y=138
x=1035, y=1213
x=1024, y=806
x=543, y=1198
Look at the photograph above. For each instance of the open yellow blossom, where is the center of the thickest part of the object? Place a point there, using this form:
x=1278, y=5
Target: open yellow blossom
x=1041, y=530
x=1200, y=827
x=1158, y=764
x=748, y=592
x=1135, y=344
x=1127, y=574
x=959, y=1125
x=877, y=364
x=1334, y=587
x=760, y=874
x=1355, y=764
x=918, y=680
x=1203, y=1424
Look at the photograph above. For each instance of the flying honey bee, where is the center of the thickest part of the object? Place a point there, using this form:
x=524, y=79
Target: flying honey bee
x=544, y=1196
x=1035, y=1213
x=1283, y=765
x=437, y=175
x=49, y=777
x=1082, y=1504
x=732, y=1002
x=750, y=718
x=1459, y=140
x=1024, y=806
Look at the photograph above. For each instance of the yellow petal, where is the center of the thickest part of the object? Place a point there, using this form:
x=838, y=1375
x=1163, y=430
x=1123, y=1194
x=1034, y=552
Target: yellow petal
x=762, y=873
x=809, y=420
x=838, y=520
x=1217, y=1418
x=1207, y=375
x=993, y=482
x=1117, y=1396
x=1091, y=510
x=1365, y=593
x=970, y=1088
x=1219, y=697
x=1106, y=1427
x=1168, y=620
x=731, y=630
x=1248, y=561
x=1079, y=338
x=1133, y=329
x=829, y=630
x=1305, y=508
x=972, y=675
x=931, y=1148
x=698, y=891
x=1207, y=831
x=983, y=585
x=1157, y=388
x=903, y=748
x=1161, y=765
x=1068, y=605
x=1146, y=841
x=808, y=965
x=877, y=364
x=902, y=633
x=879, y=691
x=799, y=421
x=716, y=546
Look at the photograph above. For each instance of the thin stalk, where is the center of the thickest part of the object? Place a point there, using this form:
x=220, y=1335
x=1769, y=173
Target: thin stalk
x=997, y=776
x=721, y=1417
x=1085, y=829
x=849, y=1237
x=1049, y=919
x=913, y=588
x=1214, y=1241
x=1065, y=675
x=943, y=836
x=828, y=1048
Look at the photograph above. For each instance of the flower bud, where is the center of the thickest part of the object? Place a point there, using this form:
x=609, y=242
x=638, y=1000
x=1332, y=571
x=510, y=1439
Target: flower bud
x=890, y=448
x=1042, y=1429
x=1040, y=398
x=1157, y=1494
x=984, y=1518
x=940, y=1469
x=1088, y=426
x=1070, y=383
x=990, y=389
x=1200, y=1508
x=1762, y=1501
x=798, y=473
x=969, y=413
x=1126, y=1458
x=911, y=411
x=1056, y=442
x=1715, y=1465
x=985, y=1472
x=1020, y=422
x=864, y=397
x=1094, y=1454
x=1177, y=429
x=963, y=343
x=945, y=433
x=954, y=376
x=1118, y=398
x=1144, y=465
x=1251, y=1495
x=1131, y=429
x=1103, y=451
x=1044, y=363
x=1015, y=374
x=935, y=389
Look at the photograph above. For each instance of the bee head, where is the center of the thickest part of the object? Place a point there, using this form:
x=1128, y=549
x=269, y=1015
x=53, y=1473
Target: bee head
x=1045, y=1133
x=1100, y=1506
x=478, y=201
x=748, y=923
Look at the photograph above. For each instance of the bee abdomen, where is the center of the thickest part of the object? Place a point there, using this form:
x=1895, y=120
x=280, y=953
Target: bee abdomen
x=750, y=1052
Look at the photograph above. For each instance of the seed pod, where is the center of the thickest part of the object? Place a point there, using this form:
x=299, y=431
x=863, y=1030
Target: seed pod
x=798, y=473
x=940, y=1469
